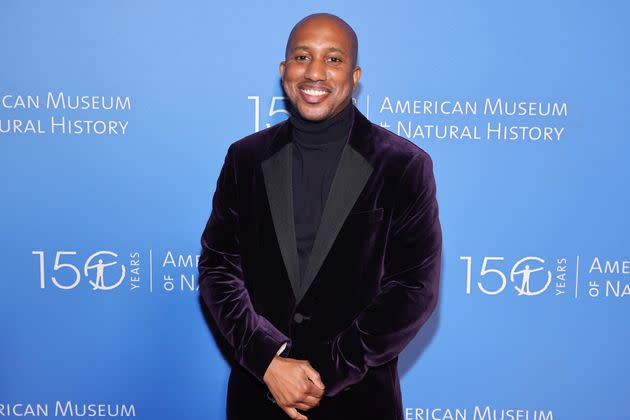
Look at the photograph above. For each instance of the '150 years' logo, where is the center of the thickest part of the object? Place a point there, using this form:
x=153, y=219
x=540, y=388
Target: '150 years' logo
x=101, y=270
x=528, y=276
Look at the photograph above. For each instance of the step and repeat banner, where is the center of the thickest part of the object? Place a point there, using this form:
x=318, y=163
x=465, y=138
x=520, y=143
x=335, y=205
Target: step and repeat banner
x=115, y=118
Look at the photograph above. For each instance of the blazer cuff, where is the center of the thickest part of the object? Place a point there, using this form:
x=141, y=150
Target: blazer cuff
x=261, y=349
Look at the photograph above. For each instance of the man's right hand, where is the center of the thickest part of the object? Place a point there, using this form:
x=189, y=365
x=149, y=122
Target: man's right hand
x=294, y=384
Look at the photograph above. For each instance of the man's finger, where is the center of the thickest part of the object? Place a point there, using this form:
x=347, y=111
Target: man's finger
x=313, y=376
x=309, y=401
x=302, y=406
x=313, y=389
x=294, y=414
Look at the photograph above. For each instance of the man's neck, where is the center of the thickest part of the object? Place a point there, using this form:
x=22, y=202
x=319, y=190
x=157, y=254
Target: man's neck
x=330, y=130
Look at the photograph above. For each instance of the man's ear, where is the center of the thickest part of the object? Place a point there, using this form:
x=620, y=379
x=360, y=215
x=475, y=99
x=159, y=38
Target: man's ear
x=356, y=75
x=283, y=65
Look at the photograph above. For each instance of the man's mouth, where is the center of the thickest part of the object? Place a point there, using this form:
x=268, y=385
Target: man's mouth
x=314, y=92
x=313, y=96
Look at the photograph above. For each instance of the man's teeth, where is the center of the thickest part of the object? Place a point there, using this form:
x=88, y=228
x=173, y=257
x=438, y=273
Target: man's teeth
x=314, y=92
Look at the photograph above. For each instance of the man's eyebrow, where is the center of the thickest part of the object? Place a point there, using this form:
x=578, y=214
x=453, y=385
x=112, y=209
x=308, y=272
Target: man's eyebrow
x=306, y=48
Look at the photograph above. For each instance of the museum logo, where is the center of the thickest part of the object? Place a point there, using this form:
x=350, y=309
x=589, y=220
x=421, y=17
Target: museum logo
x=531, y=276
x=105, y=270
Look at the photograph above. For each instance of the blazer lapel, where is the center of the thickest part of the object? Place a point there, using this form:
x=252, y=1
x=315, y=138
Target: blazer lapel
x=277, y=174
x=350, y=177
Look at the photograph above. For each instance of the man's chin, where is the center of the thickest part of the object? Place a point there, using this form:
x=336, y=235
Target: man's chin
x=313, y=115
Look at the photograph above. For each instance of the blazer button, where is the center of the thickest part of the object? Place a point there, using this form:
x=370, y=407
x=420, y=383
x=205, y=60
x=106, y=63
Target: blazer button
x=298, y=317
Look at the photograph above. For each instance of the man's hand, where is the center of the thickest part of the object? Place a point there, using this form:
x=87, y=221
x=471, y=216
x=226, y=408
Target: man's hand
x=294, y=384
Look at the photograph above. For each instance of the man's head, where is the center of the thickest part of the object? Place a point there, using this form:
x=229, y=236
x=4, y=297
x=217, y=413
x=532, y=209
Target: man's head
x=320, y=70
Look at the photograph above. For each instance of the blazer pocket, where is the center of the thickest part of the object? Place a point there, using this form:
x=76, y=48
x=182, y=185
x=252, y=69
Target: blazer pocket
x=367, y=216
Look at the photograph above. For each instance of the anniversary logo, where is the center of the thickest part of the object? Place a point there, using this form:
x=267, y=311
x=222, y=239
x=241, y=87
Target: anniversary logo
x=564, y=276
x=105, y=270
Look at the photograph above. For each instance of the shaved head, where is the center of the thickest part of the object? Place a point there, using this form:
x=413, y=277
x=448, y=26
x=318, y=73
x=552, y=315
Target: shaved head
x=318, y=19
x=319, y=71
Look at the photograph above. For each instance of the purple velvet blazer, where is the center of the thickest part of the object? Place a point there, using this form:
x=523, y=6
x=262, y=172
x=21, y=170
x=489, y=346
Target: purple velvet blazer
x=370, y=283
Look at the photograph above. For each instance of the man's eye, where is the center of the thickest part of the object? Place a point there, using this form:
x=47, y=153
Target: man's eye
x=335, y=59
x=300, y=58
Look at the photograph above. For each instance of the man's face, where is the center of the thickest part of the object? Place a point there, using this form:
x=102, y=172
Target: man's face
x=319, y=74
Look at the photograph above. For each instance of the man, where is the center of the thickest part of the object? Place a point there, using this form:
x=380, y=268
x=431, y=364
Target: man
x=321, y=257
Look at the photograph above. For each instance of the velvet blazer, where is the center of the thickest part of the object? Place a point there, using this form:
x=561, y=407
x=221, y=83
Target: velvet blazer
x=371, y=280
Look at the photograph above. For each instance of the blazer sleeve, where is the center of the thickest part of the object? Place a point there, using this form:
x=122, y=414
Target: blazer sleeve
x=254, y=340
x=409, y=286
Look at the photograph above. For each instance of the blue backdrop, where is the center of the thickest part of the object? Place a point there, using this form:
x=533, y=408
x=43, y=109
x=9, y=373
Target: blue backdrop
x=114, y=121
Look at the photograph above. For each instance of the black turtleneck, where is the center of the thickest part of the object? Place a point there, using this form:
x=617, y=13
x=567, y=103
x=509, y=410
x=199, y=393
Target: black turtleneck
x=317, y=148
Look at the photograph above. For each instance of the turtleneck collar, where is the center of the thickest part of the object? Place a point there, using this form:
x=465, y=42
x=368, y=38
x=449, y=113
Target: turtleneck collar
x=314, y=133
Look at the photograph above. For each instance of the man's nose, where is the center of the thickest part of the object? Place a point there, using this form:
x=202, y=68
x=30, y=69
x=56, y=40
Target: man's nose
x=316, y=70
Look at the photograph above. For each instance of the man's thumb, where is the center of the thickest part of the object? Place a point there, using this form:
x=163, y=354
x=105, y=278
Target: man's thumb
x=294, y=414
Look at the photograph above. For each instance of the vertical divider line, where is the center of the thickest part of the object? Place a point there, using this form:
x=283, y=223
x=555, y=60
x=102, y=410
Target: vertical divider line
x=577, y=271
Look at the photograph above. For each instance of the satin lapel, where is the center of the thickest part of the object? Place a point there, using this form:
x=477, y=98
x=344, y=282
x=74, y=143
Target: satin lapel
x=350, y=177
x=277, y=174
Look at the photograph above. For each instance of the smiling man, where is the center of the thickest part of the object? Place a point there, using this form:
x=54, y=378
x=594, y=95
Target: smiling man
x=321, y=258
x=320, y=70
